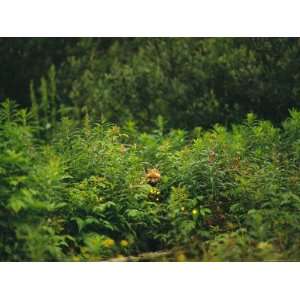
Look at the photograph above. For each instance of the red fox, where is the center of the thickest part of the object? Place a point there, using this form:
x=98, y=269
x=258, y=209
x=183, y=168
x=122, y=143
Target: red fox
x=153, y=176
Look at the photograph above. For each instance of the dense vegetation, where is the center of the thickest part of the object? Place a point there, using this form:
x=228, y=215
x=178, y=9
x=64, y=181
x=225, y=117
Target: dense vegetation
x=117, y=147
x=188, y=81
x=96, y=191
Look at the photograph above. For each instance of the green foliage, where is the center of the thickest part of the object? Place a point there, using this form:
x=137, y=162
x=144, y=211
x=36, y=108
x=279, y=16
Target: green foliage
x=75, y=187
x=84, y=195
x=188, y=81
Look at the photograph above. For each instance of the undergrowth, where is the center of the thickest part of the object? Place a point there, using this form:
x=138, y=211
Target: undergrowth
x=85, y=193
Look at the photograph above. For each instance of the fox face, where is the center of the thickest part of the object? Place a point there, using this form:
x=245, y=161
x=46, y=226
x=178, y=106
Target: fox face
x=153, y=176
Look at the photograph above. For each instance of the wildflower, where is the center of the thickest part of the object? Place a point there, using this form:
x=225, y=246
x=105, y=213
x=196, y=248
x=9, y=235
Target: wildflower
x=108, y=243
x=153, y=176
x=264, y=246
x=124, y=243
x=76, y=258
x=182, y=208
x=180, y=257
x=154, y=194
x=154, y=191
x=194, y=212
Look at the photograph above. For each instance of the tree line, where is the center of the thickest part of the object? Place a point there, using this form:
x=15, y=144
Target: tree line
x=182, y=82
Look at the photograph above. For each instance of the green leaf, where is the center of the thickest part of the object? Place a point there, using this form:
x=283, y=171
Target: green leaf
x=16, y=204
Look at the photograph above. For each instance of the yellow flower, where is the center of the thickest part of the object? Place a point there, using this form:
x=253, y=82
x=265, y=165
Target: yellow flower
x=154, y=191
x=76, y=258
x=108, y=243
x=124, y=243
x=194, y=212
x=154, y=194
x=180, y=257
x=182, y=208
x=264, y=246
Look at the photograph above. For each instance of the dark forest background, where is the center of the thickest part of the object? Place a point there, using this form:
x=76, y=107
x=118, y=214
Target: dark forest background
x=184, y=82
